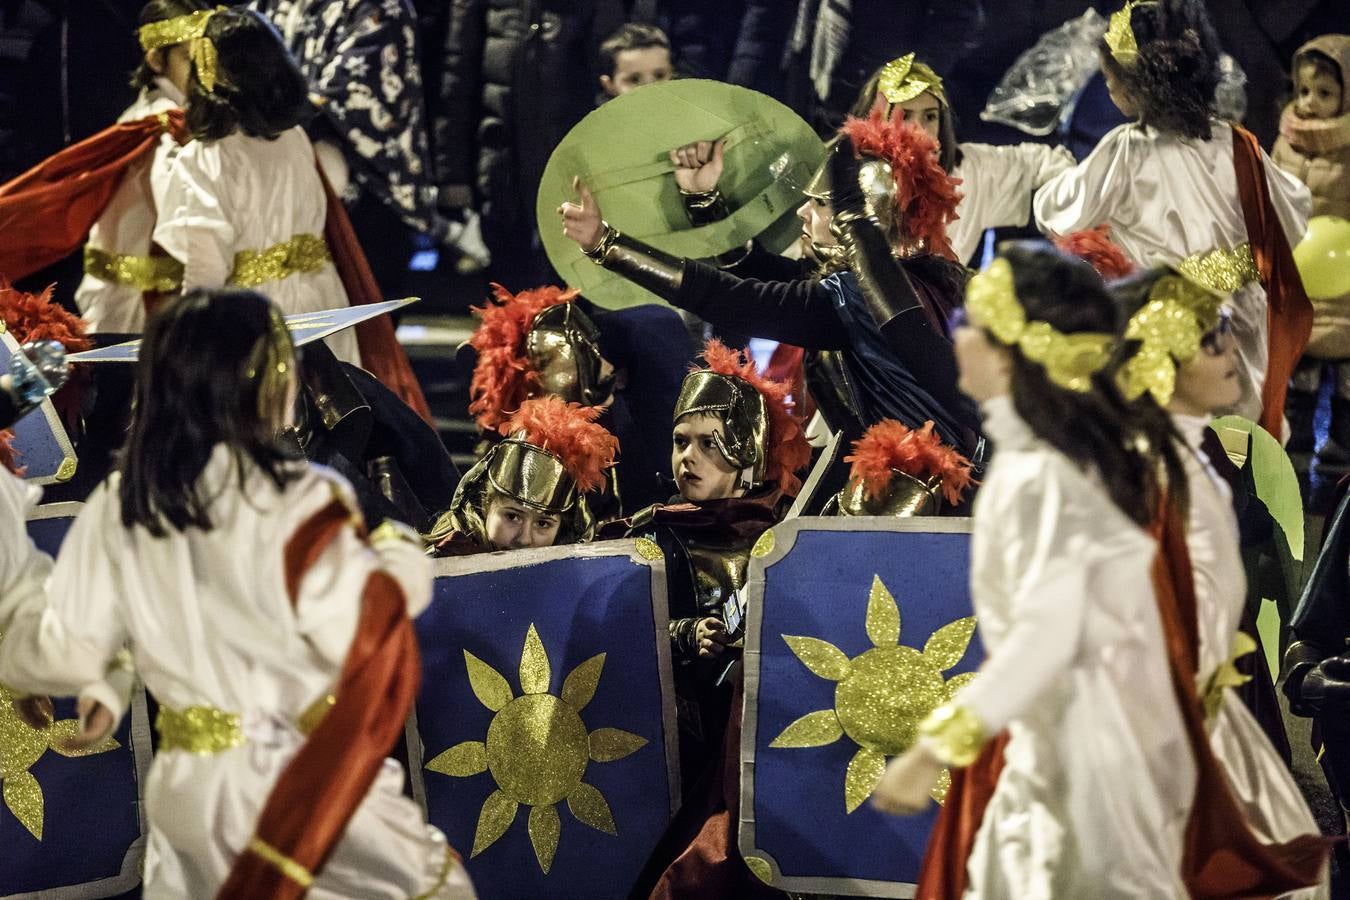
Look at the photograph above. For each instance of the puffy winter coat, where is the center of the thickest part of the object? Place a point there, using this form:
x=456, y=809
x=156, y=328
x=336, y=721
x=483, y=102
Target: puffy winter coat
x=1317, y=152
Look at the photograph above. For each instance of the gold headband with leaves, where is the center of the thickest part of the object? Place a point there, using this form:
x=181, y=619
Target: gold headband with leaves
x=904, y=79
x=1120, y=39
x=1069, y=360
x=1169, y=327
x=189, y=29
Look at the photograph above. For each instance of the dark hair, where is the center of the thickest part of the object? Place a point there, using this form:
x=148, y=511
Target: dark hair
x=1128, y=446
x=160, y=11
x=1323, y=64
x=194, y=390
x=1177, y=72
x=949, y=153
x=631, y=36
x=259, y=89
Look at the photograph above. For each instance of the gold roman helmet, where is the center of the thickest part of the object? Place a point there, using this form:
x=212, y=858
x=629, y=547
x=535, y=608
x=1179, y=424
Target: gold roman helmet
x=904, y=495
x=564, y=348
x=743, y=442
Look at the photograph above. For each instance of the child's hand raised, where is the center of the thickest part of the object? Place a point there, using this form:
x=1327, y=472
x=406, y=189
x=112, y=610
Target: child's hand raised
x=699, y=166
x=581, y=220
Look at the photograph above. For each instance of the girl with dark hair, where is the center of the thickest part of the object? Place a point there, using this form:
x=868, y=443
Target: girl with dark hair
x=252, y=598
x=997, y=182
x=1095, y=781
x=1179, y=187
x=1180, y=356
x=243, y=204
x=118, y=264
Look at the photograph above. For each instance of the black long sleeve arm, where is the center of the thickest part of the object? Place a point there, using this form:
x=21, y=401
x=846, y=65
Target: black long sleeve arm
x=797, y=312
x=894, y=304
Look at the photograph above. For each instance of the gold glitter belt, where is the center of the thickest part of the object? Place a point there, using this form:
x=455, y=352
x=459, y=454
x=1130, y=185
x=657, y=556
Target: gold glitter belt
x=198, y=729
x=302, y=253
x=1225, y=271
x=145, y=273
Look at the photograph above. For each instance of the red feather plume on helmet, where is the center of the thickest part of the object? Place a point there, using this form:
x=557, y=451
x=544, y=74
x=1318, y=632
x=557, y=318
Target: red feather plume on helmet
x=890, y=445
x=569, y=432
x=503, y=377
x=786, y=448
x=925, y=194
x=36, y=317
x=1094, y=246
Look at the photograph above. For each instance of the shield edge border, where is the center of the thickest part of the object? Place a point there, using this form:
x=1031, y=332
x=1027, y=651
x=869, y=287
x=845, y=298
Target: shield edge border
x=784, y=538
x=515, y=559
x=69, y=461
x=130, y=875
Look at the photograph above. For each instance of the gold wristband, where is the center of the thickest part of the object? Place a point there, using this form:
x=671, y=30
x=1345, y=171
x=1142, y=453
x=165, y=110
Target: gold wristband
x=954, y=734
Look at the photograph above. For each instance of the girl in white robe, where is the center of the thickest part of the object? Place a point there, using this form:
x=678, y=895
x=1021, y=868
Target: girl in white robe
x=243, y=203
x=194, y=553
x=1166, y=184
x=1193, y=383
x=118, y=267
x=1096, y=786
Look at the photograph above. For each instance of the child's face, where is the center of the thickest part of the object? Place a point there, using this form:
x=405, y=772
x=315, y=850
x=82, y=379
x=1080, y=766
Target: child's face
x=172, y=63
x=816, y=215
x=1209, y=382
x=634, y=68
x=511, y=525
x=985, y=368
x=1316, y=93
x=1120, y=96
x=925, y=111
x=698, y=466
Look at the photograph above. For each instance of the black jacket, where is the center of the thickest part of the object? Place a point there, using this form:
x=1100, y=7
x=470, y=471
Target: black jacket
x=736, y=41
x=517, y=75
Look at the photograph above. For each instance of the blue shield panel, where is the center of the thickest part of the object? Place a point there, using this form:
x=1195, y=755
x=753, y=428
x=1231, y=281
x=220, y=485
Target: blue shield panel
x=72, y=826
x=41, y=444
x=547, y=750
x=857, y=628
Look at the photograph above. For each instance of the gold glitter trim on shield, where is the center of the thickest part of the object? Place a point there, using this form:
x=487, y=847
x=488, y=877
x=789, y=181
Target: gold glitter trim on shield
x=759, y=867
x=882, y=694
x=163, y=274
x=763, y=545
x=537, y=750
x=648, y=549
x=302, y=253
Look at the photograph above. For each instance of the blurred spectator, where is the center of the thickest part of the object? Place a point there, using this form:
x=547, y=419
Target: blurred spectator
x=518, y=74
x=360, y=58
x=736, y=41
x=635, y=55
x=835, y=45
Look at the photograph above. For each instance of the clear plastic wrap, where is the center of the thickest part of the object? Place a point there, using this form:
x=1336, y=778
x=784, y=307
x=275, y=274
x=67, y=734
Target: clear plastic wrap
x=1034, y=92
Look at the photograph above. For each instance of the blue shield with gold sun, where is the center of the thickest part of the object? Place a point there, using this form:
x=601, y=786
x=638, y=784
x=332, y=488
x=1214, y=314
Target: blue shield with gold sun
x=544, y=741
x=857, y=628
x=71, y=823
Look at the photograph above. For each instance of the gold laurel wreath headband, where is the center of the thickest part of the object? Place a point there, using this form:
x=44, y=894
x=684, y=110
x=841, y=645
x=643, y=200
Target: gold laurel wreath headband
x=1169, y=326
x=904, y=79
x=1120, y=39
x=190, y=29
x=1069, y=360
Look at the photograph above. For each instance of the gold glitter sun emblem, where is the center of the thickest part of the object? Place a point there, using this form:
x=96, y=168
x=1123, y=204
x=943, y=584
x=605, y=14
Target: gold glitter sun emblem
x=882, y=694
x=537, y=750
x=20, y=747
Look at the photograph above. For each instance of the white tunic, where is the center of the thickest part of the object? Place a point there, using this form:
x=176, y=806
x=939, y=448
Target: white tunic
x=210, y=624
x=241, y=193
x=1167, y=198
x=997, y=183
x=126, y=224
x=1259, y=779
x=1098, y=779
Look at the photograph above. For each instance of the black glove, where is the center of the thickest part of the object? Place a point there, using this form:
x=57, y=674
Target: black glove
x=846, y=194
x=1326, y=687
